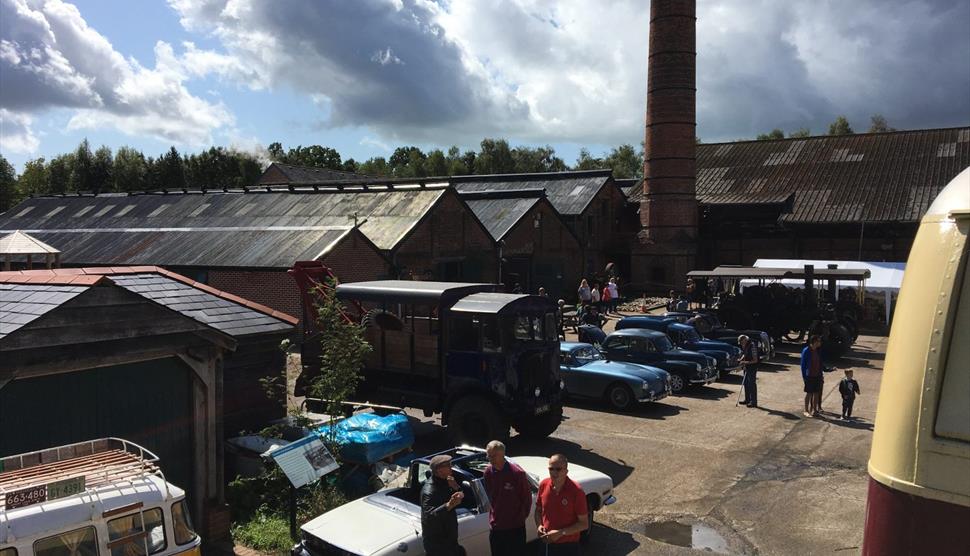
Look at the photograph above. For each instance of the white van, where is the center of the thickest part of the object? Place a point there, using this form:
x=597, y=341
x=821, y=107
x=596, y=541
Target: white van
x=104, y=497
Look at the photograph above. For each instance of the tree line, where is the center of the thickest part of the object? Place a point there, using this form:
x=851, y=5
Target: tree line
x=129, y=170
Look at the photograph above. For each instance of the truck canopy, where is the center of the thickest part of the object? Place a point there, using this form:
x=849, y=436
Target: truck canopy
x=501, y=303
x=410, y=291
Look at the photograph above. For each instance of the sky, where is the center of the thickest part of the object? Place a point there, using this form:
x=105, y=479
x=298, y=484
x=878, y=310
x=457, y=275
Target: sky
x=365, y=76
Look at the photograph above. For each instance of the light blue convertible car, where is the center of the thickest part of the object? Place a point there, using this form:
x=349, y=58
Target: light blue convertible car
x=586, y=374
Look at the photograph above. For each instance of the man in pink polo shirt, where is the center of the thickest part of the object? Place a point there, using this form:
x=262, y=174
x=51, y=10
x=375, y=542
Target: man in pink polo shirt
x=561, y=510
x=511, y=500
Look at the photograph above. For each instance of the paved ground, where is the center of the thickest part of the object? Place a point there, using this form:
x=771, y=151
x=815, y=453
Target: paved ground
x=767, y=480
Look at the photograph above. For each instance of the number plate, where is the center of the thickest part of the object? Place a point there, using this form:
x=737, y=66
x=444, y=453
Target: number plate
x=67, y=487
x=25, y=497
x=542, y=409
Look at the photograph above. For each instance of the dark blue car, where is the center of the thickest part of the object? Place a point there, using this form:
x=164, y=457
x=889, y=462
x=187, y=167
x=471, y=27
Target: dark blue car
x=685, y=337
x=586, y=374
x=649, y=347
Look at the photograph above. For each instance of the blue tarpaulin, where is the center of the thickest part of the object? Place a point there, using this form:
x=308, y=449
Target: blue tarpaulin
x=369, y=438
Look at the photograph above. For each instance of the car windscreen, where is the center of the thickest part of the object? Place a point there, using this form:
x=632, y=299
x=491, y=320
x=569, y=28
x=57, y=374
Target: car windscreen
x=663, y=344
x=691, y=335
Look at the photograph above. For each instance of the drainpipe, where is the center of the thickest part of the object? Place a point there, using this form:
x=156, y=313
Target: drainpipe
x=501, y=244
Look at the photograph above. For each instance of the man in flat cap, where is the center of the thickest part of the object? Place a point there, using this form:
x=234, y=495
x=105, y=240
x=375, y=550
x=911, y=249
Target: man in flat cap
x=440, y=495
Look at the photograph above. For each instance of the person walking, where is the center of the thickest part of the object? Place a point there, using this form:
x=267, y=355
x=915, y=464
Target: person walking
x=811, y=361
x=606, y=299
x=440, y=495
x=749, y=358
x=849, y=389
x=561, y=510
x=511, y=501
x=594, y=296
x=614, y=295
x=585, y=296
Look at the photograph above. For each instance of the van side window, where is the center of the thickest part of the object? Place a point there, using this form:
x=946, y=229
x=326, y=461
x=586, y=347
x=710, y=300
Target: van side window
x=183, y=525
x=8, y=551
x=79, y=542
x=953, y=413
x=130, y=536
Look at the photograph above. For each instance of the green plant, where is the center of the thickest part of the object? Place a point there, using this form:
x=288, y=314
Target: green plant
x=266, y=532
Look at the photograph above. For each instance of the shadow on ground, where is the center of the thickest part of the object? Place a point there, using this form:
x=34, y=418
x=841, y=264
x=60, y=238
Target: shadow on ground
x=651, y=410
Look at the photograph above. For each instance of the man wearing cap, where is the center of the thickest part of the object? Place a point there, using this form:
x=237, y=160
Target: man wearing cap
x=561, y=510
x=440, y=495
x=511, y=501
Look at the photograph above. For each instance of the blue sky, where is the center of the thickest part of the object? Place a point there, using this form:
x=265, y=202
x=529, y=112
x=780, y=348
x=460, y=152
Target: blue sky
x=366, y=76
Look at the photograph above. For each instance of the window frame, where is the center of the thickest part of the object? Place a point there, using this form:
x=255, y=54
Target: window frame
x=143, y=535
x=94, y=530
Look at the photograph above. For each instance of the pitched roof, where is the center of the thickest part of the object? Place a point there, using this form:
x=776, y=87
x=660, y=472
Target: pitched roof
x=253, y=229
x=27, y=295
x=871, y=177
x=19, y=243
x=501, y=210
x=629, y=185
x=307, y=174
x=569, y=192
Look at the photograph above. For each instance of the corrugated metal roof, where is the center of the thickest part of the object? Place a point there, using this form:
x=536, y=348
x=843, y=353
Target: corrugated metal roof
x=629, y=186
x=309, y=174
x=872, y=177
x=27, y=295
x=569, y=192
x=501, y=210
x=255, y=229
x=408, y=291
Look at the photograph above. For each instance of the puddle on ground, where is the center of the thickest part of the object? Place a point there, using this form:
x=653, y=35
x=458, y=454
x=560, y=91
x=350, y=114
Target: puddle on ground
x=690, y=535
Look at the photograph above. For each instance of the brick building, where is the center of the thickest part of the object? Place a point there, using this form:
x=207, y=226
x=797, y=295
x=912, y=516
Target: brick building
x=536, y=246
x=589, y=202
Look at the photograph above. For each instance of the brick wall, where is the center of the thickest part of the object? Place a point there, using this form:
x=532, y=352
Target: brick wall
x=273, y=288
x=450, y=233
x=555, y=254
x=356, y=260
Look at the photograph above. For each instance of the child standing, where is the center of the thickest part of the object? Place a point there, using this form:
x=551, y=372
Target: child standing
x=849, y=388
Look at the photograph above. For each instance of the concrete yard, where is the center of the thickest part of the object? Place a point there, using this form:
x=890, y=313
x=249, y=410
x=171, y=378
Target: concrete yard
x=750, y=481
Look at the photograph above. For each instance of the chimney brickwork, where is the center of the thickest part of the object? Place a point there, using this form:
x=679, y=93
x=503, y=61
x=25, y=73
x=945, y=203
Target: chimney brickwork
x=667, y=245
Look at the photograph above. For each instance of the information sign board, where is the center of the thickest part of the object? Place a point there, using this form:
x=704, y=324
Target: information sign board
x=305, y=460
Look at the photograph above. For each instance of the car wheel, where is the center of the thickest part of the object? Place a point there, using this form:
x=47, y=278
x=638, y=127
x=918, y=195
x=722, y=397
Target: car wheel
x=620, y=396
x=474, y=420
x=585, y=535
x=677, y=383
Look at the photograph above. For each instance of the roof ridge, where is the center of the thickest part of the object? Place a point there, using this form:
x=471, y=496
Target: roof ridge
x=866, y=133
x=565, y=173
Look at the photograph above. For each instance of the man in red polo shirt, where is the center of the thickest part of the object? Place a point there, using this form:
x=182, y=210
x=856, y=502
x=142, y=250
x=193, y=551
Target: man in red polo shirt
x=561, y=511
x=511, y=500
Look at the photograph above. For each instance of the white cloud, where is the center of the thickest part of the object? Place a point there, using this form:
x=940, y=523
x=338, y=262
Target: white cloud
x=51, y=58
x=15, y=133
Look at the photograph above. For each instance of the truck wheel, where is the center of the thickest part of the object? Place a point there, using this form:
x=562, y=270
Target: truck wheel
x=620, y=397
x=836, y=343
x=540, y=426
x=474, y=420
x=585, y=535
x=677, y=383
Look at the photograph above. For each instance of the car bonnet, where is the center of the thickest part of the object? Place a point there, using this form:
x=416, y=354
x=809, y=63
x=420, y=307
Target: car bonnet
x=364, y=526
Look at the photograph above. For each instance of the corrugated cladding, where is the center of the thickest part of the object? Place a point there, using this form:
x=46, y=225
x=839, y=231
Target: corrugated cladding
x=258, y=230
x=308, y=174
x=872, y=177
x=569, y=192
x=500, y=215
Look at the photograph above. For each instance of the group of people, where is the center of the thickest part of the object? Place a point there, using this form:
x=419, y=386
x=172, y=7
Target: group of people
x=812, y=376
x=606, y=299
x=560, y=514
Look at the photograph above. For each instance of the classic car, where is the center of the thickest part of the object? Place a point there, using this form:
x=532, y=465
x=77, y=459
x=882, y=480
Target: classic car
x=649, y=347
x=586, y=374
x=389, y=521
x=709, y=326
x=686, y=337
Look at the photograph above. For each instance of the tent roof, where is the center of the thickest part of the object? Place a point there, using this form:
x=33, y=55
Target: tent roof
x=19, y=243
x=883, y=276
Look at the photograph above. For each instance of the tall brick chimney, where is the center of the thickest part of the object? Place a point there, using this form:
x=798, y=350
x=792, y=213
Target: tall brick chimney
x=667, y=248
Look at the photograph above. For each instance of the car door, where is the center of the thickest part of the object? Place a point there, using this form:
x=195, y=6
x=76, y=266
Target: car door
x=617, y=348
x=643, y=351
x=472, y=523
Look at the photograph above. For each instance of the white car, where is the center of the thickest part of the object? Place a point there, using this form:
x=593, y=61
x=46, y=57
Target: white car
x=389, y=521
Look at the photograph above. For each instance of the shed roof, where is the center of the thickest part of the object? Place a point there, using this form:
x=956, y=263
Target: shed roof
x=865, y=177
x=501, y=210
x=486, y=302
x=19, y=243
x=307, y=174
x=569, y=192
x=629, y=185
x=236, y=229
x=29, y=294
x=408, y=291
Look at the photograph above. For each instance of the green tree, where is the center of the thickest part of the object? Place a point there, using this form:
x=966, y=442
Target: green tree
x=376, y=166
x=536, y=159
x=59, y=174
x=102, y=168
x=495, y=157
x=9, y=190
x=408, y=162
x=625, y=161
x=82, y=163
x=342, y=353
x=771, y=135
x=249, y=169
x=586, y=161
x=314, y=156
x=34, y=180
x=130, y=170
x=879, y=124
x=171, y=170
x=840, y=127
x=800, y=133
x=276, y=153
x=437, y=163
x=350, y=165
x=456, y=162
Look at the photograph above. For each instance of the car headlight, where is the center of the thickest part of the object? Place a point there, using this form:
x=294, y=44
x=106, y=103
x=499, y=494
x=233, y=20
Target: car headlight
x=538, y=391
x=645, y=386
x=698, y=366
x=562, y=384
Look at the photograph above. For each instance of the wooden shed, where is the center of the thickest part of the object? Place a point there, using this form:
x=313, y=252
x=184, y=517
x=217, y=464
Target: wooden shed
x=138, y=353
